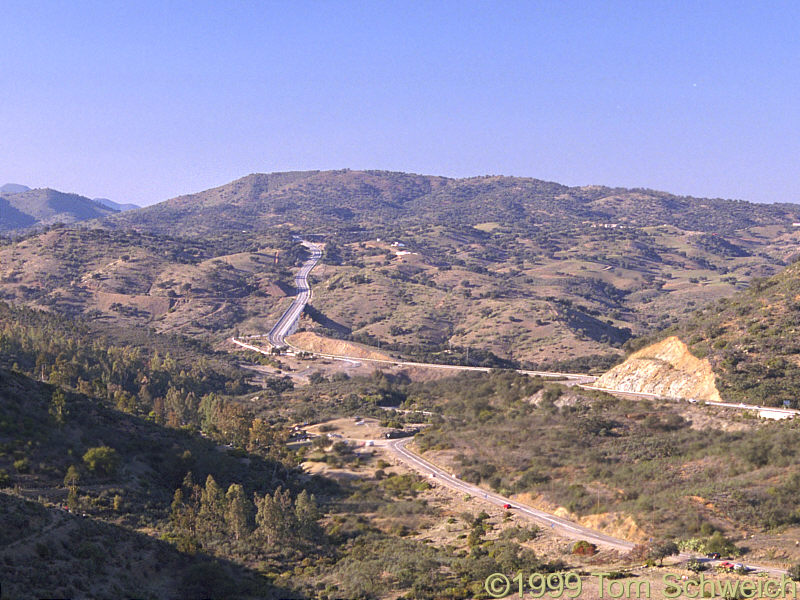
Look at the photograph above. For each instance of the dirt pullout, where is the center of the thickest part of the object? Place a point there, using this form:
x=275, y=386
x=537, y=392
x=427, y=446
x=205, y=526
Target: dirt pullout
x=311, y=342
x=155, y=305
x=666, y=368
x=615, y=524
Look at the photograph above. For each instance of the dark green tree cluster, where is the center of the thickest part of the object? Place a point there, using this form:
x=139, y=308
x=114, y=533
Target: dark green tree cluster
x=134, y=379
x=203, y=516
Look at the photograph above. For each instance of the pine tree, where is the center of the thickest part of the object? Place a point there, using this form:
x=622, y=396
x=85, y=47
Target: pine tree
x=72, y=478
x=211, y=517
x=266, y=519
x=307, y=513
x=236, y=511
x=275, y=517
x=287, y=522
x=58, y=407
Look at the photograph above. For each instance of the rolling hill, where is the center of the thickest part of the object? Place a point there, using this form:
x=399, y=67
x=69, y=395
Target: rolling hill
x=13, y=188
x=324, y=201
x=530, y=271
x=23, y=209
x=524, y=268
x=750, y=341
x=115, y=205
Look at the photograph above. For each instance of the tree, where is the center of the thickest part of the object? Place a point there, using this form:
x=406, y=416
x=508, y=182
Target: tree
x=661, y=550
x=260, y=436
x=58, y=407
x=101, y=460
x=72, y=478
x=307, y=513
x=275, y=518
x=236, y=511
x=211, y=516
x=267, y=517
x=185, y=505
x=178, y=512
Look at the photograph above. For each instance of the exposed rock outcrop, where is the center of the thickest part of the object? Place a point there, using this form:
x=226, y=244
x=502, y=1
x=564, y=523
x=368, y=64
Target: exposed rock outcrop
x=666, y=368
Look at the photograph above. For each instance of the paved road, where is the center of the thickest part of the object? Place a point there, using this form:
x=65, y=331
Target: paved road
x=286, y=324
x=288, y=321
x=564, y=527
x=773, y=411
x=577, y=377
x=284, y=327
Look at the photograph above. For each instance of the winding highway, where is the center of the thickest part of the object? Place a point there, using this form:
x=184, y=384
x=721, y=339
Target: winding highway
x=288, y=322
x=564, y=527
x=569, y=529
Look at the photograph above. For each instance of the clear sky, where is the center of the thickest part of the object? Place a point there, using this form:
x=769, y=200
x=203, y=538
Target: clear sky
x=141, y=101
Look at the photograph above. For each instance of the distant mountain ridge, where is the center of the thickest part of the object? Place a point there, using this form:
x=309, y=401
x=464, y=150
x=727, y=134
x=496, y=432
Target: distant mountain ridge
x=322, y=201
x=40, y=207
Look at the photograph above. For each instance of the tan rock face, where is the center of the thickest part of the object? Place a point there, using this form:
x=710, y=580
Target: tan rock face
x=666, y=368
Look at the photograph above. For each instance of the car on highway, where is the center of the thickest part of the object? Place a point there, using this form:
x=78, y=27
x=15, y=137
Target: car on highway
x=507, y=506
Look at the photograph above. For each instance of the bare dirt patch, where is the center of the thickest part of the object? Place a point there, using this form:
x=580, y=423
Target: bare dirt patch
x=312, y=342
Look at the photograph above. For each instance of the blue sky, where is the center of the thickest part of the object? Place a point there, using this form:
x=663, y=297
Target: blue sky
x=142, y=101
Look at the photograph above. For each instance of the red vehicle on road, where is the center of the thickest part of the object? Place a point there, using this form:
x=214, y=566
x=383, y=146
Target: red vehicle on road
x=507, y=506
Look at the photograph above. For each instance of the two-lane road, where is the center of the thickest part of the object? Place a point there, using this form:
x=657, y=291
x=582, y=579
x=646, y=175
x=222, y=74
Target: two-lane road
x=564, y=527
x=285, y=326
x=559, y=525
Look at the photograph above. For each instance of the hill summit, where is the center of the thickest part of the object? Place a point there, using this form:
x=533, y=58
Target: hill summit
x=13, y=188
x=346, y=200
x=750, y=342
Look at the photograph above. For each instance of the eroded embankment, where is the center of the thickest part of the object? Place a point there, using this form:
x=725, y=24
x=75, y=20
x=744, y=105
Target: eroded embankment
x=311, y=342
x=666, y=368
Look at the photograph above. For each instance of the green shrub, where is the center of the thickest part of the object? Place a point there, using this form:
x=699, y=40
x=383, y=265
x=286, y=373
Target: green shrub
x=584, y=548
x=101, y=460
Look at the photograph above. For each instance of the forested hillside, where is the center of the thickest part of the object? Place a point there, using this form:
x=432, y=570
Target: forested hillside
x=125, y=471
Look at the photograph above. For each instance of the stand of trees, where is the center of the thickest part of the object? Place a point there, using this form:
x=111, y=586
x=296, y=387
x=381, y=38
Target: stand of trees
x=202, y=516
